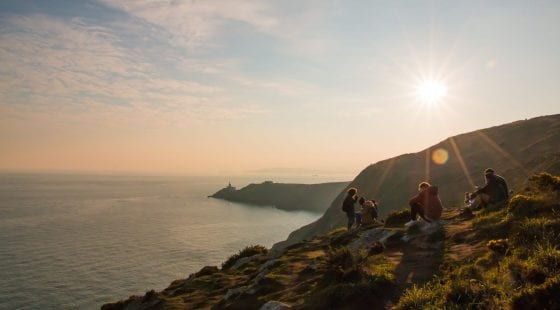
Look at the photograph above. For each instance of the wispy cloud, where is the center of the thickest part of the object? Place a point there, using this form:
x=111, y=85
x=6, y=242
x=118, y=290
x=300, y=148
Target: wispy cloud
x=71, y=65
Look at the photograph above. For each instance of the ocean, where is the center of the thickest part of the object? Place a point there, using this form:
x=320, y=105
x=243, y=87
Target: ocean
x=79, y=241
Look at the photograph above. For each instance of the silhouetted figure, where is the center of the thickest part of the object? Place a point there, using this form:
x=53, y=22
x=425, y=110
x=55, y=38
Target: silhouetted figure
x=348, y=205
x=495, y=191
x=425, y=204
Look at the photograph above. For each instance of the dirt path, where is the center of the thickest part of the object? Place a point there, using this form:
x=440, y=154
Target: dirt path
x=419, y=259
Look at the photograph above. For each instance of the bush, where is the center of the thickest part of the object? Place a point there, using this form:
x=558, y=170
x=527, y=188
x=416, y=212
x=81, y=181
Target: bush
x=428, y=296
x=547, y=256
x=368, y=293
x=524, y=272
x=397, y=218
x=523, y=205
x=544, y=296
x=246, y=252
x=468, y=292
x=546, y=181
x=533, y=230
x=341, y=257
x=499, y=246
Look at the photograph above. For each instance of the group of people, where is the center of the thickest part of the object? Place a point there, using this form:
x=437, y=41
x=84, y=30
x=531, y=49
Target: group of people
x=365, y=216
x=426, y=204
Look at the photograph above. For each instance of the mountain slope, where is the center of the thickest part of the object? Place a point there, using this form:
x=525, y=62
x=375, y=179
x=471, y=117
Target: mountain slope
x=514, y=150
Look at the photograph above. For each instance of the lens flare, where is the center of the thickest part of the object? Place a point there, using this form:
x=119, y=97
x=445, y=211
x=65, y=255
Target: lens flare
x=440, y=156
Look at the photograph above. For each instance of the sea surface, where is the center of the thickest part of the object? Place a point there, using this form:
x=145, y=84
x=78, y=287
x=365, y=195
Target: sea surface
x=79, y=241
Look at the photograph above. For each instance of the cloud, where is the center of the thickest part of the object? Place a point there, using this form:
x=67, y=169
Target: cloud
x=195, y=24
x=57, y=65
x=200, y=25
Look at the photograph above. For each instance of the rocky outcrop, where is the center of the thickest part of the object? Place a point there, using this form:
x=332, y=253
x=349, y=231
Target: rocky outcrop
x=291, y=197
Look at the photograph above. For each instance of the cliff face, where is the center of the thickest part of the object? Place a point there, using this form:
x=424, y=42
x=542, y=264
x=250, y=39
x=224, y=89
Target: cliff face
x=505, y=256
x=514, y=150
x=309, y=197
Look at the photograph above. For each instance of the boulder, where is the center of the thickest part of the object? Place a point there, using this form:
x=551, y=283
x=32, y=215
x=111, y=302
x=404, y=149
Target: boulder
x=275, y=305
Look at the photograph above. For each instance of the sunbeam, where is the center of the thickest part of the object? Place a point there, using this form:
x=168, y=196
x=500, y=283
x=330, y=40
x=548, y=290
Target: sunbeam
x=503, y=152
x=461, y=161
x=388, y=168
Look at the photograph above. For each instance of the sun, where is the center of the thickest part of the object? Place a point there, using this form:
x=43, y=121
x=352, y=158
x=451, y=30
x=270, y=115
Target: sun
x=431, y=91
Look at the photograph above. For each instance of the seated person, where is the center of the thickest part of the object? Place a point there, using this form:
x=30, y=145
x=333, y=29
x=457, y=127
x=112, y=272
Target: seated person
x=495, y=191
x=369, y=212
x=425, y=204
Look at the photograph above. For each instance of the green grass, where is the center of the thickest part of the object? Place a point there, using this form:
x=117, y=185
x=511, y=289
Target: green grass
x=520, y=268
x=246, y=252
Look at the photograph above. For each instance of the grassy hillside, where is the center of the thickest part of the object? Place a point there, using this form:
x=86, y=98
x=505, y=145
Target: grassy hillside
x=502, y=257
x=514, y=150
x=310, y=197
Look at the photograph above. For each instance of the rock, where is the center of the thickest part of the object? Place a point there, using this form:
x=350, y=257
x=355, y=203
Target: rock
x=376, y=248
x=275, y=305
x=235, y=292
x=366, y=237
x=310, y=269
x=260, y=276
x=386, y=235
x=267, y=264
x=243, y=260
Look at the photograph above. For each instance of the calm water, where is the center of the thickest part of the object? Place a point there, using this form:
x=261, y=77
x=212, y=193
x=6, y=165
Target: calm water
x=71, y=242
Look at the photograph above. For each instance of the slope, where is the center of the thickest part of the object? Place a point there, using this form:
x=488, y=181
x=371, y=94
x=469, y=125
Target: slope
x=514, y=150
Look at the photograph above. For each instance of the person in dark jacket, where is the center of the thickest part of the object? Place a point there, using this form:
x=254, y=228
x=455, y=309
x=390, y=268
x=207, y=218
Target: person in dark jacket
x=425, y=204
x=348, y=205
x=495, y=191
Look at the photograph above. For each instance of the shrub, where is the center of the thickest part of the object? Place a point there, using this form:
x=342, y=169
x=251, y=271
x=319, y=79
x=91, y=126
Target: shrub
x=546, y=181
x=544, y=296
x=467, y=292
x=341, y=257
x=368, y=293
x=537, y=230
x=524, y=272
x=499, y=246
x=427, y=296
x=547, y=256
x=246, y=252
x=397, y=218
x=522, y=205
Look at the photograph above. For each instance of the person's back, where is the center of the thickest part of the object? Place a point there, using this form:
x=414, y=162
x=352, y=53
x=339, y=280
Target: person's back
x=432, y=203
x=496, y=188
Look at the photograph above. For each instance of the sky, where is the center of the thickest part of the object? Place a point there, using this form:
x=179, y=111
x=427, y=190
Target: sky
x=247, y=87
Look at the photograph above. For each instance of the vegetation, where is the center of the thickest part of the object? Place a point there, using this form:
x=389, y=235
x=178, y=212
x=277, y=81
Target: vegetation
x=246, y=252
x=519, y=270
x=507, y=256
x=352, y=280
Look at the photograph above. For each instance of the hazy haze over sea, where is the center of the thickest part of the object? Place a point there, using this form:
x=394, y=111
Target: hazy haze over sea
x=78, y=241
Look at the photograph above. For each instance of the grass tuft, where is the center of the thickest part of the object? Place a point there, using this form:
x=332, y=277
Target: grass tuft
x=246, y=252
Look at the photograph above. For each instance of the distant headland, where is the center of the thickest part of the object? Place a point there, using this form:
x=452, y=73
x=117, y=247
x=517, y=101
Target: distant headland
x=291, y=197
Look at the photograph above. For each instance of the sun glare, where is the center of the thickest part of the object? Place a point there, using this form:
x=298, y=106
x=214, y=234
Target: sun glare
x=431, y=91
